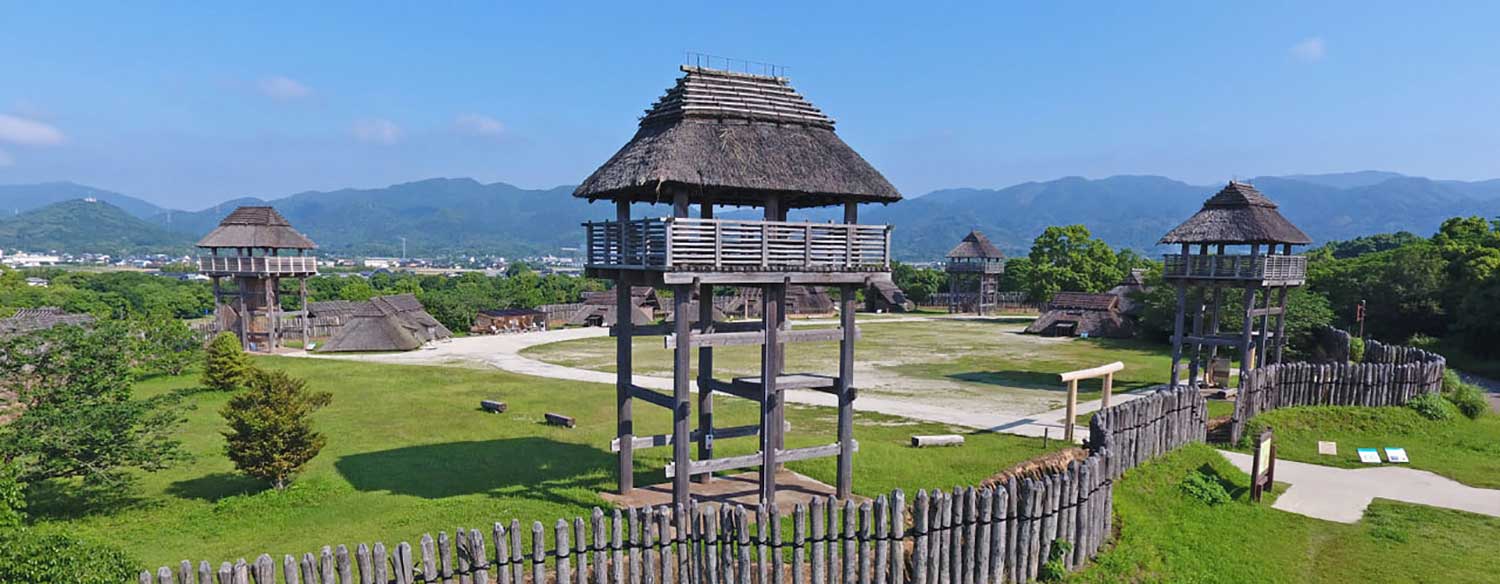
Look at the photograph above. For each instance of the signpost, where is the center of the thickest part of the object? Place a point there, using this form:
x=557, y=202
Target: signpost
x=1263, y=467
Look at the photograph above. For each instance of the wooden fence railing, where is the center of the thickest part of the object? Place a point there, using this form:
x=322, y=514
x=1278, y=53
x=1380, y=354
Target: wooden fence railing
x=1144, y=428
x=990, y=534
x=1235, y=267
x=1390, y=376
x=681, y=243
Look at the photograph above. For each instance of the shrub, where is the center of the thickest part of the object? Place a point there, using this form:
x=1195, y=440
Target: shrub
x=1356, y=350
x=1209, y=490
x=270, y=433
x=1432, y=406
x=225, y=365
x=12, y=495
x=28, y=555
x=1055, y=569
x=1467, y=397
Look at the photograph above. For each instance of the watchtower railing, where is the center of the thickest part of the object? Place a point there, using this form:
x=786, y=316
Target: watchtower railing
x=258, y=265
x=1279, y=268
x=687, y=244
x=975, y=265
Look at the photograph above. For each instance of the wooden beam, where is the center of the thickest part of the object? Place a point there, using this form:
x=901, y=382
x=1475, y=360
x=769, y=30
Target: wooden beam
x=752, y=394
x=653, y=397
x=665, y=328
x=1091, y=373
x=725, y=339
x=751, y=460
x=789, y=381
x=657, y=440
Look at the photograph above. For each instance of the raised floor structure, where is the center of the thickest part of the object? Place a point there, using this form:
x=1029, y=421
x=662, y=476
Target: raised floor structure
x=255, y=248
x=715, y=139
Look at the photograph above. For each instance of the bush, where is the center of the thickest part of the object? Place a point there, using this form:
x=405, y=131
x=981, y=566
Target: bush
x=1205, y=488
x=1467, y=397
x=12, y=495
x=225, y=365
x=1356, y=350
x=27, y=555
x=1432, y=406
x=1055, y=569
x=270, y=432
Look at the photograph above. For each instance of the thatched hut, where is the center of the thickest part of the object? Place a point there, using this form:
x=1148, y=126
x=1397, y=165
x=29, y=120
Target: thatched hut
x=1080, y=314
x=388, y=323
x=887, y=297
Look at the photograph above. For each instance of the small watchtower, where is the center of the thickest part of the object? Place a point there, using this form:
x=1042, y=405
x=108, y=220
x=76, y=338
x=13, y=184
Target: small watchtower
x=974, y=264
x=1237, y=243
x=256, y=248
x=721, y=138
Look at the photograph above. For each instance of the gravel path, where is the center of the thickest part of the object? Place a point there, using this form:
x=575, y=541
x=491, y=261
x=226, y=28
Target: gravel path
x=1342, y=494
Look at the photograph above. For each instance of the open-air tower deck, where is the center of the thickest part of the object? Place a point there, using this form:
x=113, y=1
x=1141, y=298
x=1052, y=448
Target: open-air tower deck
x=1237, y=241
x=727, y=139
x=256, y=247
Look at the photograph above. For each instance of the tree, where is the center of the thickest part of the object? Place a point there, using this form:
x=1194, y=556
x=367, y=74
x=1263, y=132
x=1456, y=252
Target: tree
x=1070, y=258
x=78, y=417
x=226, y=367
x=919, y=284
x=165, y=345
x=270, y=433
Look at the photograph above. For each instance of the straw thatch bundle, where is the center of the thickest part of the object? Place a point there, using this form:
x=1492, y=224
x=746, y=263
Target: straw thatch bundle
x=256, y=227
x=1238, y=215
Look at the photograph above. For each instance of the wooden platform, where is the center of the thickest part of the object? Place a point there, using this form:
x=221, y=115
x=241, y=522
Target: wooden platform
x=792, y=489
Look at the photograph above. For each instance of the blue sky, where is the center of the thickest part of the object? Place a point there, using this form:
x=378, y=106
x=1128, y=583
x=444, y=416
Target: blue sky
x=185, y=104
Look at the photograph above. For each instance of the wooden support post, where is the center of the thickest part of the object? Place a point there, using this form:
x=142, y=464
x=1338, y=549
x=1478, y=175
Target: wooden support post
x=1072, y=410
x=1109, y=388
x=1265, y=322
x=770, y=427
x=244, y=328
x=1248, y=306
x=705, y=366
x=306, y=316
x=682, y=296
x=844, y=484
x=1177, y=331
x=624, y=425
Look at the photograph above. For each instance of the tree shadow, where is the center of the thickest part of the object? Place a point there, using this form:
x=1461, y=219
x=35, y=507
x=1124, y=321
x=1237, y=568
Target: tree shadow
x=530, y=467
x=69, y=499
x=1236, y=490
x=215, y=486
x=1024, y=379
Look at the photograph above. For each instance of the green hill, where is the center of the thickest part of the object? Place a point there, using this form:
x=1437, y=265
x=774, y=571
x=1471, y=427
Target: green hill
x=91, y=226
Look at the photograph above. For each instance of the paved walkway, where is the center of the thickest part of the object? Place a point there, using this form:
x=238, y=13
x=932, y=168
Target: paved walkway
x=1342, y=494
x=504, y=352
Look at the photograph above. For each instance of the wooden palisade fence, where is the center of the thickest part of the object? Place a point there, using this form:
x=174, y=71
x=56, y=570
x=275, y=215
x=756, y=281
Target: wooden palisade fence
x=1389, y=376
x=971, y=535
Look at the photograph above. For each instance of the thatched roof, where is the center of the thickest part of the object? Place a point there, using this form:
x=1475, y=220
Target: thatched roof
x=975, y=245
x=1238, y=215
x=27, y=320
x=335, y=308
x=256, y=227
x=387, y=323
x=1084, y=301
x=736, y=138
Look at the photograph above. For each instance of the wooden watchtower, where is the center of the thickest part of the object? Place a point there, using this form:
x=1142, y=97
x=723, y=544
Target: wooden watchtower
x=247, y=247
x=719, y=139
x=974, y=264
x=1237, y=243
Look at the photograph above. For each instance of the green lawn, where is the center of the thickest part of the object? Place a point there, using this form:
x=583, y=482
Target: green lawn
x=410, y=452
x=1465, y=450
x=1165, y=536
x=955, y=357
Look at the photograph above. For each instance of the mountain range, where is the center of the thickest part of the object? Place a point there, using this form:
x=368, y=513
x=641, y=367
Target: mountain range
x=464, y=216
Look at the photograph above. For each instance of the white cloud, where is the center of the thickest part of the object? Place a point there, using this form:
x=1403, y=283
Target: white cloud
x=377, y=131
x=5, y=159
x=19, y=130
x=479, y=125
x=282, y=88
x=1310, y=49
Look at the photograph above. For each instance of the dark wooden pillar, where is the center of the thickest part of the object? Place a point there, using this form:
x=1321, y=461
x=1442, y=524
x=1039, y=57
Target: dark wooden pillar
x=705, y=366
x=682, y=296
x=1199, y=297
x=624, y=425
x=302, y=302
x=1281, y=316
x=1247, y=308
x=845, y=477
x=770, y=428
x=1178, y=322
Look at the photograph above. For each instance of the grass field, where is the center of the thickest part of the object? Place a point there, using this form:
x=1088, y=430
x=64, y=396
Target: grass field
x=1464, y=450
x=1165, y=536
x=968, y=362
x=409, y=452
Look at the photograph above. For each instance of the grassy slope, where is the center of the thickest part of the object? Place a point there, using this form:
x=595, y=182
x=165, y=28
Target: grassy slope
x=1166, y=537
x=974, y=354
x=408, y=452
x=1465, y=450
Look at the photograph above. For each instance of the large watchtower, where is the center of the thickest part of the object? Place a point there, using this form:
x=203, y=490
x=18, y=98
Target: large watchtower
x=1237, y=243
x=715, y=139
x=256, y=248
x=974, y=264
